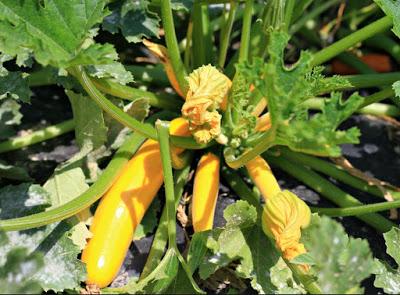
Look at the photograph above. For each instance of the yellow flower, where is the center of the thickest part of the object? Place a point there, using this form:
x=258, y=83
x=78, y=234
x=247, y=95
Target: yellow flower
x=283, y=218
x=208, y=91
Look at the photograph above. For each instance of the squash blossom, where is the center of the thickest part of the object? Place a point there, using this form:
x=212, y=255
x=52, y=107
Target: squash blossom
x=208, y=91
x=283, y=218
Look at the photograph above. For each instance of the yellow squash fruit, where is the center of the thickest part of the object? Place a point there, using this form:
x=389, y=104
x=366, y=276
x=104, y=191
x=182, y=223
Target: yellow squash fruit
x=262, y=176
x=122, y=208
x=205, y=192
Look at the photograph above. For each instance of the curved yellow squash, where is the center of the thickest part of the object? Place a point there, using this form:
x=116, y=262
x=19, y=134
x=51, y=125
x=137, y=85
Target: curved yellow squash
x=122, y=208
x=263, y=178
x=205, y=192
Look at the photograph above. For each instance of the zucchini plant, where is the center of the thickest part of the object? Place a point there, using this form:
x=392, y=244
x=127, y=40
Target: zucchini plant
x=175, y=105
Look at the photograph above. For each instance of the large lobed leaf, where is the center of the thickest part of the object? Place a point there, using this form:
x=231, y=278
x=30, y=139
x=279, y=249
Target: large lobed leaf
x=61, y=269
x=133, y=19
x=53, y=31
x=392, y=9
x=18, y=269
x=286, y=89
x=341, y=262
x=388, y=278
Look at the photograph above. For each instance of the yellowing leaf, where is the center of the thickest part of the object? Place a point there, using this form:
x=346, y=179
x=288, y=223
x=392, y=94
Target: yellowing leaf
x=162, y=53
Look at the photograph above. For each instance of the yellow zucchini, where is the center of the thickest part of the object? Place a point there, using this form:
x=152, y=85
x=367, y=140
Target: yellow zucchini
x=122, y=208
x=263, y=178
x=205, y=192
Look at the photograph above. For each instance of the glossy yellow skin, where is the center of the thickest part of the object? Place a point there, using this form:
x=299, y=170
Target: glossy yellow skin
x=205, y=192
x=262, y=176
x=122, y=208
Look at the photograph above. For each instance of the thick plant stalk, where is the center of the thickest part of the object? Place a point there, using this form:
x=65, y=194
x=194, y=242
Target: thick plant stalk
x=336, y=48
x=120, y=212
x=205, y=192
x=37, y=136
x=330, y=191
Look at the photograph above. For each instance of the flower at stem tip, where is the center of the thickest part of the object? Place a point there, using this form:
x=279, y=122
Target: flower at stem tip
x=283, y=217
x=208, y=91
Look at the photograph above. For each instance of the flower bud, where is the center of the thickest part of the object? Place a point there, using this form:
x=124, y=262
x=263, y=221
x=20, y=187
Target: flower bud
x=284, y=216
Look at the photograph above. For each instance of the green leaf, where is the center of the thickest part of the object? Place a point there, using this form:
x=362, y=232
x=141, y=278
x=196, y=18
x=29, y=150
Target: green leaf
x=387, y=277
x=9, y=116
x=89, y=121
x=114, y=71
x=23, y=199
x=53, y=31
x=341, y=263
x=392, y=9
x=282, y=279
x=64, y=186
x=156, y=282
x=240, y=214
x=138, y=109
x=180, y=284
x=134, y=19
x=396, y=88
x=18, y=269
x=13, y=172
x=62, y=270
x=242, y=241
x=185, y=5
x=14, y=85
x=286, y=89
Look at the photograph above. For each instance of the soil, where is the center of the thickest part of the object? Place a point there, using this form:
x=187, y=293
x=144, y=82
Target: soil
x=377, y=155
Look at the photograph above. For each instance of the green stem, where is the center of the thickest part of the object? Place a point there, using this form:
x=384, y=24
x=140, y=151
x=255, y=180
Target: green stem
x=376, y=109
x=164, y=101
x=188, y=45
x=381, y=109
x=352, y=39
x=145, y=129
x=226, y=35
x=37, y=136
x=246, y=30
x=267, y=140
x=163, y=138
x=313, y=14
x=172, y=44
x=106, y=179
x=199, y=50
x=385, y=43
x=161, y=235
x=357, y=210
x=356, y=63
x=334, y=171
x=307, y=280
x=378, y=96
x=329, y=191
x=289, y=6
x=364, y=81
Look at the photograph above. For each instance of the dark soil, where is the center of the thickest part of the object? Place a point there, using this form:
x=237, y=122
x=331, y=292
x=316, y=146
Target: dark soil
x=377, y=155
